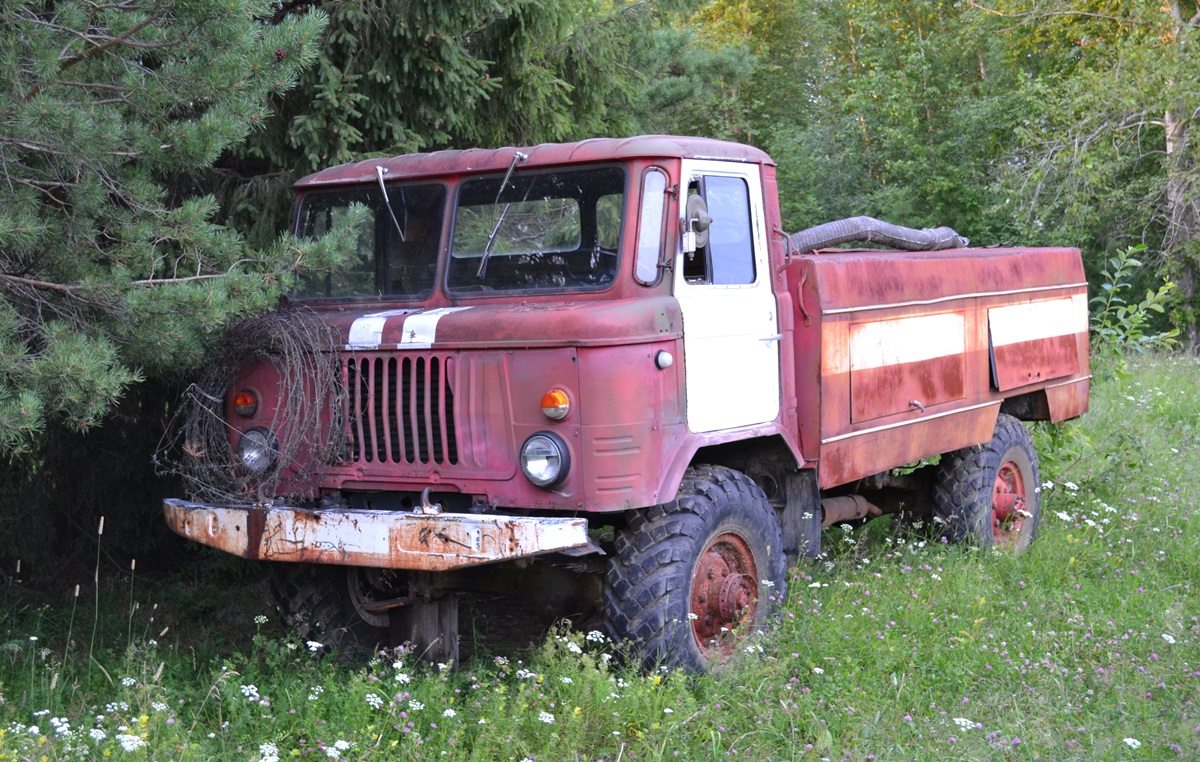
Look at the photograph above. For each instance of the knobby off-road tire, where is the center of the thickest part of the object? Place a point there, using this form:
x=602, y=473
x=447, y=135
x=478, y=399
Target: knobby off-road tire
x=693, y=579
x=322, y=603
x=988, y=495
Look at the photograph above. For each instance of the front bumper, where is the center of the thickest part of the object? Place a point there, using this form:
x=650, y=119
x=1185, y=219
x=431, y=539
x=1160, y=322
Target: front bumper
x=380, y=539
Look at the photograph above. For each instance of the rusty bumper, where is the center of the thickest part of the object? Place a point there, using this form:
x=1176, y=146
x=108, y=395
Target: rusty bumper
x=381, y=539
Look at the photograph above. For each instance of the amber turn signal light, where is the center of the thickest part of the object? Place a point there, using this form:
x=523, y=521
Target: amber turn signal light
x=556, y=404
x=245, y=403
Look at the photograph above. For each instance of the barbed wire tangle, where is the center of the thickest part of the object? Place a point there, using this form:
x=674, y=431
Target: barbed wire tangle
x=298, y=378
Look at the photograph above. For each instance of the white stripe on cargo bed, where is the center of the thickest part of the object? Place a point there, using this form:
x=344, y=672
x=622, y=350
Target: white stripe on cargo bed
x=883, y=343
x=1016, y=323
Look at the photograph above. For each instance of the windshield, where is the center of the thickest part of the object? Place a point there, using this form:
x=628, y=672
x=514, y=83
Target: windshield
x=392, y=257
x=548, y=230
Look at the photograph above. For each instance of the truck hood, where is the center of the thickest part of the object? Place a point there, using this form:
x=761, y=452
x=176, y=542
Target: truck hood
x=525, y=324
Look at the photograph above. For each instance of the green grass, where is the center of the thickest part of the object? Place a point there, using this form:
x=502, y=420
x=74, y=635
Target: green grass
x=892, y=647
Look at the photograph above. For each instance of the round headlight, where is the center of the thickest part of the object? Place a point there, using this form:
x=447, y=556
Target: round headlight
x=544, y=459
x=257, y=451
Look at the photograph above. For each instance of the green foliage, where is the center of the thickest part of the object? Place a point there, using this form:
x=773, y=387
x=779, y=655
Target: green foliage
x=1120, y=323
x=110, y=267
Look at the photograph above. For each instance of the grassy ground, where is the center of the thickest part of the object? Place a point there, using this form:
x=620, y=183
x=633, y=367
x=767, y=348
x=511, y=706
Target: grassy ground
x=891, y=648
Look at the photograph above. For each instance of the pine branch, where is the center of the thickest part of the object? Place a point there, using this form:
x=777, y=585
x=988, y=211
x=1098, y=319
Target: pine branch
x=42, y=285
x=124, y=39
x=188, y=278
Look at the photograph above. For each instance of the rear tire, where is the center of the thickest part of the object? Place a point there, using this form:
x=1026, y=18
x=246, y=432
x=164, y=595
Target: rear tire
x=323, y=604
x=693, y=579
x=988, y=495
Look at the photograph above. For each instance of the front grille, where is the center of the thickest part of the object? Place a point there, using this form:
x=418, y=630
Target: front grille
x=400, y=409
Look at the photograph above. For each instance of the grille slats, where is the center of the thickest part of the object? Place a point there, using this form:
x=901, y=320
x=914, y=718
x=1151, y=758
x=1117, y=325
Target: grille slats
x=400, y=409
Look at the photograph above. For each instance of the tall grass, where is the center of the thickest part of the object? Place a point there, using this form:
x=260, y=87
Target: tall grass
x=894, y=646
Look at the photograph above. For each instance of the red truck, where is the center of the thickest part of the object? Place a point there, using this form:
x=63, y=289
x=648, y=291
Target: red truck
x=602, y=371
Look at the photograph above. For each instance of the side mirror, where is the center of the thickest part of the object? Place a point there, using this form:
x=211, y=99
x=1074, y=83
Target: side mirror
x=695, y=224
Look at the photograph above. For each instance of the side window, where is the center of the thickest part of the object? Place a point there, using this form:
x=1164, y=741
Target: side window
x=726, y=256
x=730, y=250
x=650, y=226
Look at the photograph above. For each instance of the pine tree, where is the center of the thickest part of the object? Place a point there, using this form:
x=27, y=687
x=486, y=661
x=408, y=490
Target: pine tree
x=111, y=265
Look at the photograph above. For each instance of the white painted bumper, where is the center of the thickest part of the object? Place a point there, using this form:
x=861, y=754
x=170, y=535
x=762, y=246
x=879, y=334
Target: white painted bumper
x=381, y=539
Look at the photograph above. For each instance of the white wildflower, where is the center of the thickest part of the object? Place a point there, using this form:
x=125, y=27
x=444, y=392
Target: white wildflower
x=250, y=692
x=260, y=619
x=574, y=648
x=964, y=723
x=595, y=636
x=546, y=717
x=268, y=752
x=314, y=646
x=415, y=705
x=818, y=671
x=373, y=700
x=315, y=692
x=566, y=680
x=1133, y=743
x=1170, y=640
x=449, y=713
x=96, y=734
x=130, y=742
x=128, y=682
x=1063, y=515
x=403, y=678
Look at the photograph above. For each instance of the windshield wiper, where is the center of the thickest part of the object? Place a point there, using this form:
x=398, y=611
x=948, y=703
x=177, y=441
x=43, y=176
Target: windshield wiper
x=379, y=172
x=487, y=249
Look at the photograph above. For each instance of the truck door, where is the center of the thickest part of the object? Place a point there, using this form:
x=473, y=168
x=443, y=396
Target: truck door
x=730, y=321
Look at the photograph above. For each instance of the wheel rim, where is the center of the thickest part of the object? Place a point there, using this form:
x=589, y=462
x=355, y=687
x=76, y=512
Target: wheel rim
x=1008, y=505
x=365, y=586
x=724, y=594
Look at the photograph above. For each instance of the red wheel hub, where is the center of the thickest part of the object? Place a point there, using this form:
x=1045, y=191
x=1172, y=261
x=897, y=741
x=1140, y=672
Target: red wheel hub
x=1008, y=505
x=724, y=593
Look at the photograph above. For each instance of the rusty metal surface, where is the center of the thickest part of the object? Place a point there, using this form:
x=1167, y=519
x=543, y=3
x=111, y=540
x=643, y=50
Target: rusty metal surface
x=1037, y=340
x=1068, y=400
x=379, y=539
x=871, y=451
x=527, y=321
x=548, y=154
x=892, y=280
x=918, y=350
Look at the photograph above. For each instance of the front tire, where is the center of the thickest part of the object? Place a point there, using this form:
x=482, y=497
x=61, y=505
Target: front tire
x=988, y=495
x=693, y=579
